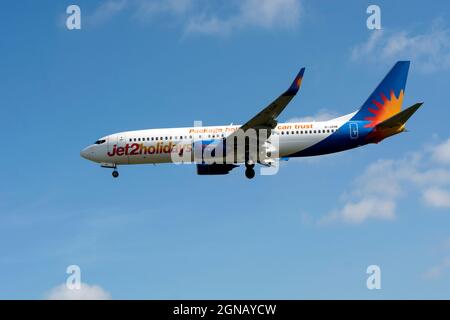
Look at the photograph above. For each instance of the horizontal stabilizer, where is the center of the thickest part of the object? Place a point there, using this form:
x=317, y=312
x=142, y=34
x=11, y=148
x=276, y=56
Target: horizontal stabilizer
x=399, y=119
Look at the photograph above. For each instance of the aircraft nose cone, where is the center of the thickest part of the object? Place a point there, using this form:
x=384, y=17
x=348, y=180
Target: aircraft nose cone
x=86, y=153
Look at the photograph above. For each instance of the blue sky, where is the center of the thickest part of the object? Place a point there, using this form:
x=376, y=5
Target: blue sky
x=161, y=231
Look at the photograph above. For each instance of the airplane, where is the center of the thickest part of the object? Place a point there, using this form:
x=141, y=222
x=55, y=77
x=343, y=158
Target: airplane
x=381, y=116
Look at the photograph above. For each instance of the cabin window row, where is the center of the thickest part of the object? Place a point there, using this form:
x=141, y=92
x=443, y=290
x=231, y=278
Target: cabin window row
x=159, y=138
x=171, y=138
x=218, y=135
x=308, y=131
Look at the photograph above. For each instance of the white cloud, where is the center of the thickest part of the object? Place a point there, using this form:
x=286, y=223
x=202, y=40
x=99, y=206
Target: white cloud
x=322, y=115
x=86, y=292
x=366, y=208
x=106, y=11
x=443, y=266
x=147, y=9
x=363, y=50
x=376, y=192
x=437, y=271
x=442, y=152
x=265, y=14
x=430, y=51
x=437, y=197
x=205, y=16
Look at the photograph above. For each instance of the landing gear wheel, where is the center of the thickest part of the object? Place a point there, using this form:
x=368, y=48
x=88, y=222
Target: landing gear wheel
x=250, y=173
x=115, y=174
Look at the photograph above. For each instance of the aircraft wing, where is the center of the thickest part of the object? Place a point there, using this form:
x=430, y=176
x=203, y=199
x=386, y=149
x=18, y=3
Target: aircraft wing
x=267, y=117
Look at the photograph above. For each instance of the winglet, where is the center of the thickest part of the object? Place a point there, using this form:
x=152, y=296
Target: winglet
x=295, y=86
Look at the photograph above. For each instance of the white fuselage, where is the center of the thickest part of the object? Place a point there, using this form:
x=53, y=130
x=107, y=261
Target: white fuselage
x=159, y=145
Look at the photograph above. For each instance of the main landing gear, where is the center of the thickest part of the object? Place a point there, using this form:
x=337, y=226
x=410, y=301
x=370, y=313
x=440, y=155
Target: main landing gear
x=249, y=171
x=115, y=173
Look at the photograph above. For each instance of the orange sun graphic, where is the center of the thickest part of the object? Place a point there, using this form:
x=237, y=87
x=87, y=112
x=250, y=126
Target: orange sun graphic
x=386, y=109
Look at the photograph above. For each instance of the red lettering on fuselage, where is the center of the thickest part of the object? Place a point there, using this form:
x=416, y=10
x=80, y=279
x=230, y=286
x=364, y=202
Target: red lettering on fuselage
x=113, y=152
x=135, y=149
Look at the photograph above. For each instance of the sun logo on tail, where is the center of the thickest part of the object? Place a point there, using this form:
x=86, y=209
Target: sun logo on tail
x=386, y=109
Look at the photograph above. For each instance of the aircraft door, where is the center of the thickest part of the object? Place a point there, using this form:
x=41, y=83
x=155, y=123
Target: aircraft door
x=112, y=141
x=116, y=148
x=354, y=132
x=121, y=140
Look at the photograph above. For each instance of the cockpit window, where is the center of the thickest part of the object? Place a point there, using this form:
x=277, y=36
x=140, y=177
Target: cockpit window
x=100, y=141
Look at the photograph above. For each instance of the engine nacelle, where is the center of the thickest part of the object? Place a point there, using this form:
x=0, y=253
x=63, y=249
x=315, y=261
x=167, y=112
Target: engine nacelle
x=214, y=169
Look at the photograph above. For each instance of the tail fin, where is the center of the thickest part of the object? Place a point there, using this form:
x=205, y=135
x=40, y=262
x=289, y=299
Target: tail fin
x=386, y=100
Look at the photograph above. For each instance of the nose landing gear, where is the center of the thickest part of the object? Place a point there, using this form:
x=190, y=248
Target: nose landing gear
x=115, y=173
